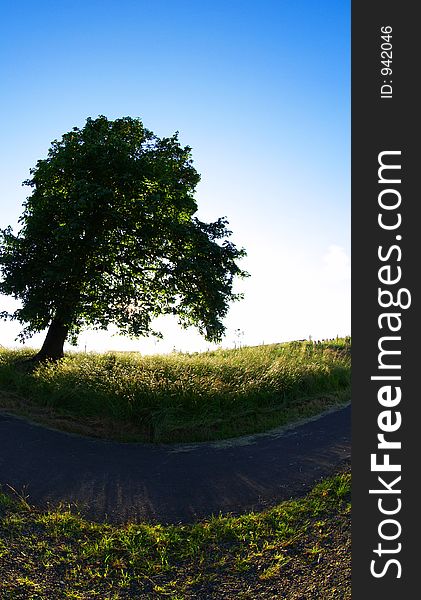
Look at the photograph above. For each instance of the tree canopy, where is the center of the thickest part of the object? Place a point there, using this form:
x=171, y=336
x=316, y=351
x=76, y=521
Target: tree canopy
x=108, y=236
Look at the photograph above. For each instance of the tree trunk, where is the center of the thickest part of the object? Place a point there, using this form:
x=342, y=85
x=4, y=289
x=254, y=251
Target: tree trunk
x=52, y=348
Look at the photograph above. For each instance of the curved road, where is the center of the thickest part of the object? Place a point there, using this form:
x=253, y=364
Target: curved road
x=118, y=482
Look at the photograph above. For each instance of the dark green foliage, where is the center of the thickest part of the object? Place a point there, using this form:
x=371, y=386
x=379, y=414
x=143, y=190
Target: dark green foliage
x=109, y=236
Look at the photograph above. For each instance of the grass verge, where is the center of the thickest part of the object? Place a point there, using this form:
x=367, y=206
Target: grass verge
x=299, y=549
x=179, y=397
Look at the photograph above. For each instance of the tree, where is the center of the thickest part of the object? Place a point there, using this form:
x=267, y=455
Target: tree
x=108, y=236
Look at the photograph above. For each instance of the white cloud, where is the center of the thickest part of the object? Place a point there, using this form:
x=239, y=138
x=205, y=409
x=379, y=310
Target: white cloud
x=336, y=265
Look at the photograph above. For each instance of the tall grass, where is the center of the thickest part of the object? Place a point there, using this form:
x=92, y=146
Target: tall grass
x=185, y=397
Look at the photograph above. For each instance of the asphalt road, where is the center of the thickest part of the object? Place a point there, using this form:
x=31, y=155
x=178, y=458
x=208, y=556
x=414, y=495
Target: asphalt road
x=117, y=482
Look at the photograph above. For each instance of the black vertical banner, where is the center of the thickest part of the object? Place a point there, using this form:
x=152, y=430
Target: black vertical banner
x=386, y=318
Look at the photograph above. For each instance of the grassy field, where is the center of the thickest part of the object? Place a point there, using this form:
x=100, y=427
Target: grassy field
x=179, y=397
x=299, y=549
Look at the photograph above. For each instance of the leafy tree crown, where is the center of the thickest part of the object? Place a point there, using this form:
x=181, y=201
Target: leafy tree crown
x=108, y=235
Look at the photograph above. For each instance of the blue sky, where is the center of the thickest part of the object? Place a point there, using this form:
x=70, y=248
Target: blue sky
x=260, y=91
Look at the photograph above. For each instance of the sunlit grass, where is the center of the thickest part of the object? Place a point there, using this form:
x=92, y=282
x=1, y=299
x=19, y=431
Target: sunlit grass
x=182, y=397
x=87, y=556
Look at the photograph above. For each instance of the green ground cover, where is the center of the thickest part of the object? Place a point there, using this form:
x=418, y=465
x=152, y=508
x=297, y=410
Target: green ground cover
x=298, y=549
x=179, y=397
